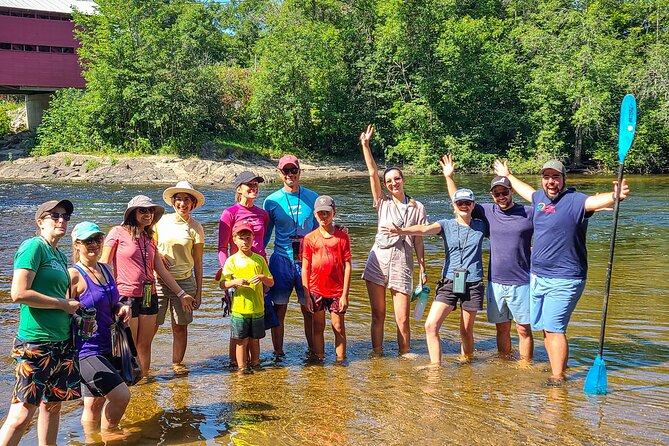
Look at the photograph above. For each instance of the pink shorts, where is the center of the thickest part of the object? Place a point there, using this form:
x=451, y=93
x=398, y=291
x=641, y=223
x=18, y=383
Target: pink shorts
x=391, y=268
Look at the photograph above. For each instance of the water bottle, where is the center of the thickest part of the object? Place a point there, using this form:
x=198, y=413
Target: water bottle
x=422, y=293
x=87, y=322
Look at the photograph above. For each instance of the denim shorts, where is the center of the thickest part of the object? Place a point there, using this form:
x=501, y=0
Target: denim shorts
x=508, y=302
x=45, y=371
x=287, y=276
x=552, y=301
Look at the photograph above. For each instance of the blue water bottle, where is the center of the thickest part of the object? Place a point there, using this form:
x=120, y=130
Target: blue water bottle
x=422, y=292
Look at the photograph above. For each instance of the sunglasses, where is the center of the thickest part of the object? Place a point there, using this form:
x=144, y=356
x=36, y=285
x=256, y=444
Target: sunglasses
x=503, y=193
x=146, y=210
x=96, y=239
x=290, y=170
x=464, y=203
x=55, y=216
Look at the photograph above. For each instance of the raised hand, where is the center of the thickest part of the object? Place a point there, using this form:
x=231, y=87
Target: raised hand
x=447, y=165
x=501, y=168
x=366, y=136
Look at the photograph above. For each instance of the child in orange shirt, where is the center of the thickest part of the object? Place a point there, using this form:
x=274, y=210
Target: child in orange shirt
x=326, y=277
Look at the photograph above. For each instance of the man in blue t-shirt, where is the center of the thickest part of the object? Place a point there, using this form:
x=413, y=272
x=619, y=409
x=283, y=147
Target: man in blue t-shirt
x=559, y=261
x=291, y=217
x=508, y=291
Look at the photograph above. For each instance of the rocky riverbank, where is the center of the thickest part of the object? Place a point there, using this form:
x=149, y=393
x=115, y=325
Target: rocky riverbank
x=67, y=167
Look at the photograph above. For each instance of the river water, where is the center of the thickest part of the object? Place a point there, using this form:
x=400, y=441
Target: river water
x=391, y=400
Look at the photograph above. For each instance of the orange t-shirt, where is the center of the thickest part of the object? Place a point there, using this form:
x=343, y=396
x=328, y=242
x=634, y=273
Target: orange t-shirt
x=326, y=257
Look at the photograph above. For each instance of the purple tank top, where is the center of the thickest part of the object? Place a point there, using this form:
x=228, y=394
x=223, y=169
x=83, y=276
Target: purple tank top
x=104, y=298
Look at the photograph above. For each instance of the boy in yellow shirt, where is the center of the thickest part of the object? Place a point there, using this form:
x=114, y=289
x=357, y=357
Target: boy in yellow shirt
x=248, y=273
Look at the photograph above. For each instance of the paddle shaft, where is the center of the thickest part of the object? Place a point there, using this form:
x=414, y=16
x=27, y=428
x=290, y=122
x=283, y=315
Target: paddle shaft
x=609, y=268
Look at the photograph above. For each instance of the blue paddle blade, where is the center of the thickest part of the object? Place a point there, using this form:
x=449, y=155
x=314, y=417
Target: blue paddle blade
x=627, y=126
x=595, y=382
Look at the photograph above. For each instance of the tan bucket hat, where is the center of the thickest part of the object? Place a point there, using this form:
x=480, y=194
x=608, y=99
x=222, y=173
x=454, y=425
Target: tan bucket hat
x=142, y=201
x=185, y=187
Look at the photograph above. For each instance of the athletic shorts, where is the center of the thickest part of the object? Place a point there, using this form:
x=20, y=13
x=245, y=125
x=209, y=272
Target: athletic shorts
x=287, y=276
x=45, y=372
x=168, y=300
x=508, y=302
x=242, y=327
x=98, y=376
x=552, y=301
x=326, y=303
x=136, y=305
x=471, y=300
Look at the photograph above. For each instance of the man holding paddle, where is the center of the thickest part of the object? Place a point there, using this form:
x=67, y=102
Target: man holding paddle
x=559, y=260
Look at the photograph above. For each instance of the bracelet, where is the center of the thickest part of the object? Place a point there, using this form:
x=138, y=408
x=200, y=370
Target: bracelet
x=181, y=293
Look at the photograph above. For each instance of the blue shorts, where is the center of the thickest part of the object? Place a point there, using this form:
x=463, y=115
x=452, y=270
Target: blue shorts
x=287, y=276
x=552, y=301
x=508, y=302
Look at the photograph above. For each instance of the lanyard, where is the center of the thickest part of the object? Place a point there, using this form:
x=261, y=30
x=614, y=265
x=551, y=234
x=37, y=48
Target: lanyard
x=144, y=255
x=461, y=248
x=106, y=287
x=57, y=254
x=294, y=217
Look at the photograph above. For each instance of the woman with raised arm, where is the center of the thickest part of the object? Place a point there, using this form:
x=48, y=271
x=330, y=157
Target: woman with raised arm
x=462, y=276
x=390, y=262
x=106, y=395
x=134, y=254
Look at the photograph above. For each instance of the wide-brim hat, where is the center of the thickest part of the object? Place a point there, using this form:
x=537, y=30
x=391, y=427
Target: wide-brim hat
x=48, y=206
x=142, y=201
x=183, y=187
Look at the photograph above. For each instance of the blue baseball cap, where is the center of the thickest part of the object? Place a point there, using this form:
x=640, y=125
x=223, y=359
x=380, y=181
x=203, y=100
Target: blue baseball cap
x=85, y=230
x=463, y=194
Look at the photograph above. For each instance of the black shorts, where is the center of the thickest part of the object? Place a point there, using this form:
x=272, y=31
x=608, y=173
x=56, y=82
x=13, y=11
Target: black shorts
x=471, y=300
x=136, y=305
x=98, y=376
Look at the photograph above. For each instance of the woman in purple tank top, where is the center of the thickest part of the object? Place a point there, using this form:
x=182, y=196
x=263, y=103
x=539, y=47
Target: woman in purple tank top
x=106, y=395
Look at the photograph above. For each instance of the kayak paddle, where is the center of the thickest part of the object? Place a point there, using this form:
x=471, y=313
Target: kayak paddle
x=596, y=382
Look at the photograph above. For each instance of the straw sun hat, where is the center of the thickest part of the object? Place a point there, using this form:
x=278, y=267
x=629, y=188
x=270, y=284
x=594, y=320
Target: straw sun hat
x=183, y=187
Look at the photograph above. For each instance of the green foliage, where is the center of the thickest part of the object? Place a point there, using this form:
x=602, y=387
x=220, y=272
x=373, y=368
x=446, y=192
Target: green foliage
x=8, y=106
x=91, y=164
x=516, y=79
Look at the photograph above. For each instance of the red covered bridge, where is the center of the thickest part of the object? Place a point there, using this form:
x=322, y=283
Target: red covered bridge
x=38, y=50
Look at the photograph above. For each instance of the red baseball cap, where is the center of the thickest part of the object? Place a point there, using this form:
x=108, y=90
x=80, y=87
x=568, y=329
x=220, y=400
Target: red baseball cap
x=288, y=159
x=242, y=226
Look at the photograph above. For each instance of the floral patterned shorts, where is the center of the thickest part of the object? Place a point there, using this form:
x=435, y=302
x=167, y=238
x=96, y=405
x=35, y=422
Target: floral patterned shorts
x=45, y=371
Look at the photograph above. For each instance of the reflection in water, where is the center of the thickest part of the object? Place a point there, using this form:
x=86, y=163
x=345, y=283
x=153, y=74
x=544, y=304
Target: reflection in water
x=391, y=400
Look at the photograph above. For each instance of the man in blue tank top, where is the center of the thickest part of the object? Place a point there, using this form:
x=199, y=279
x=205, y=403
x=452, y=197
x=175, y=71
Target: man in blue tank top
x=291, y=217
x=559, y=261
x=508, y=291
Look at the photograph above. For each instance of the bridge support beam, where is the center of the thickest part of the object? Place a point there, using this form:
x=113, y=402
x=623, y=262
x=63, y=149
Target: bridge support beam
x=35, y=106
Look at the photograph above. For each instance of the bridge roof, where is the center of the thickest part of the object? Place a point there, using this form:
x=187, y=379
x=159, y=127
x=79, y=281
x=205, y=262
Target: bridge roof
x=61, y=6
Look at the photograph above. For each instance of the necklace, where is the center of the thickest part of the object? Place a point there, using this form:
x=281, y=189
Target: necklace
x=94, y=273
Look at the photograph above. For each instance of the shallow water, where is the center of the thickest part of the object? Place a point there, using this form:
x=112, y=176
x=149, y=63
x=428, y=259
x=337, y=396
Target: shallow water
x=391, y=400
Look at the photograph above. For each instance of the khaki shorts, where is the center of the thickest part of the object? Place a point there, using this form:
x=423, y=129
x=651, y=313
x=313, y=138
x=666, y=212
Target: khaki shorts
x=167, y=299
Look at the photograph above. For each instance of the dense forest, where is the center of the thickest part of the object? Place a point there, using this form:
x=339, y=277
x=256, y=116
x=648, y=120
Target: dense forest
x=525, y=80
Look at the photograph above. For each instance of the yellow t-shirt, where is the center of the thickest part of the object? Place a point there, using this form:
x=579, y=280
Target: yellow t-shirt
x=175, y=243
x=247, y=300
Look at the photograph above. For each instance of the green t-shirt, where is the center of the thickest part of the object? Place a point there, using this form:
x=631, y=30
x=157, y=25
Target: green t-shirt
x=247, y=300
x=52, y=279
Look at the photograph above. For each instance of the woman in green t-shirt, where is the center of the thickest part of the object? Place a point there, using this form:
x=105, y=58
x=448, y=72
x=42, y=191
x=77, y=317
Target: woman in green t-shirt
x=46, y=372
